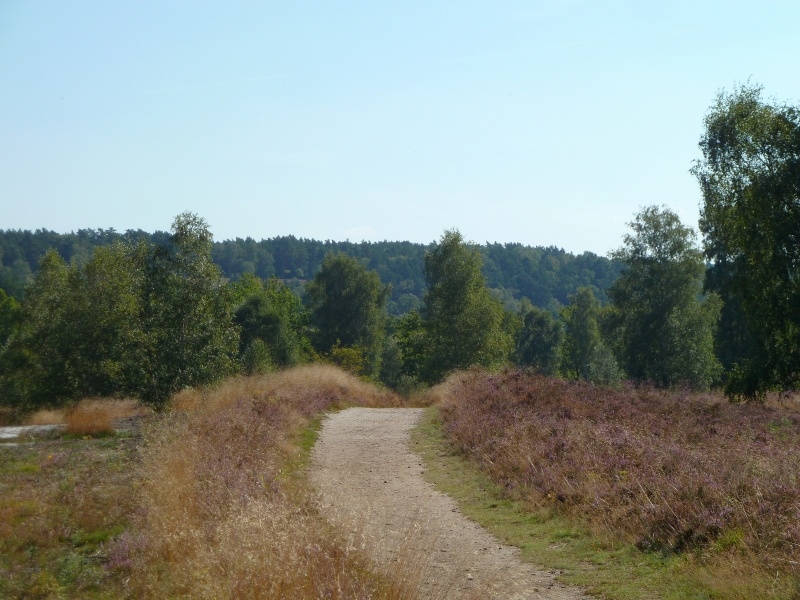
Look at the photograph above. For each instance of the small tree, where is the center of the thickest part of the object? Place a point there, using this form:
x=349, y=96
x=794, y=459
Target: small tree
x=582, y=332
x=663, y=327
x=348, y=308
x=586, y=355
x=274, y=315
x=35, y=370
x=539, y=341
x=80, y=331
x=463, y=323
x=189, y=313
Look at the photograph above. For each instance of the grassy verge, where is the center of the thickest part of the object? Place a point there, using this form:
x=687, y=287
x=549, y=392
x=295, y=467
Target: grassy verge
x=603, y=567
x=63, y=499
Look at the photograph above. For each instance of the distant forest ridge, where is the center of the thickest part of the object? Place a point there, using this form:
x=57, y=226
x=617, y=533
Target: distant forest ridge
x=544, y=275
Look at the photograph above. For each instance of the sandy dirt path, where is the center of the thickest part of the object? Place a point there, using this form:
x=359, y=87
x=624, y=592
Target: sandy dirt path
x=370, y=483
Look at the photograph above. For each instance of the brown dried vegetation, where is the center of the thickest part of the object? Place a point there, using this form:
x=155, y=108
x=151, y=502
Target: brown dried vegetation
x=225, y=513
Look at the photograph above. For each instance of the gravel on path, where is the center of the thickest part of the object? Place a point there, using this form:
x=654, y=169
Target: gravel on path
x=370, y=484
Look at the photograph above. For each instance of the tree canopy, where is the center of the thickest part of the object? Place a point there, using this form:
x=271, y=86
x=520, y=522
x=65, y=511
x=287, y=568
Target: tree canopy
x=461, y=319
x=661, y=327
x=134, y=318
x=347, y=304
x=750, y=220
x=273, y=316
x=539, y=341
x=544, y=275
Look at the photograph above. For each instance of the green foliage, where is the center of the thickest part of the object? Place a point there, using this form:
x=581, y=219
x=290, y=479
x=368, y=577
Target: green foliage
x=79, y=329
x=409, y=336
x=582, y=333
x=586, y=355
x=347, y=304
x=750, y=219
x=21, y=251
x=603, y=366
x=256, y=358
x=132, y=319
x=404, y=305
x=353, y=359
x=34, y=363
x=462, y=321
x=391, y=362
x=273, y=314
x=240, y=290
x=539, y=342
x=544, y=275
x=188, y=313
x=8, y=314
x=662, y=328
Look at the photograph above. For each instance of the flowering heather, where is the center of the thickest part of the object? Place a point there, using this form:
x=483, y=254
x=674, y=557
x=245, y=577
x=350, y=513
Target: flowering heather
x=666, y=470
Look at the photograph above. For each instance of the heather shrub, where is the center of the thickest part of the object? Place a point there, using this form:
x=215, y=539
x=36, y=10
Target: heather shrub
x=668, y=471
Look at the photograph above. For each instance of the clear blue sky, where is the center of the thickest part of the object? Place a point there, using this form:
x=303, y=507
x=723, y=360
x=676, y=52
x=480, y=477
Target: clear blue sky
x=542, y=122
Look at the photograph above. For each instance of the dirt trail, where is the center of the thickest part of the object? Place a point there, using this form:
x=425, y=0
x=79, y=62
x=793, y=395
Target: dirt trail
x=371, y=484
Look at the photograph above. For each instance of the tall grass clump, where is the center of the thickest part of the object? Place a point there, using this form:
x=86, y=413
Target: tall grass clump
x=97, y=416
x=669, y=471
x=224, y=514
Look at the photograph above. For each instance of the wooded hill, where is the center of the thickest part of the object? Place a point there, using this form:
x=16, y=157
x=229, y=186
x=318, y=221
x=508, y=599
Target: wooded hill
x=544, y=275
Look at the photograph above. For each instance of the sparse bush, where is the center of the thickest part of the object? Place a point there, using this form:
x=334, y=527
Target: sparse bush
x=352, y=359
x=88, y=421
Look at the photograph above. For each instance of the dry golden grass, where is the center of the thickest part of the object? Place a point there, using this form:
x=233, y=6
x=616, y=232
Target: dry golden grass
x=224, y=516
x=46, y=417
x=445, y=390
x=91, y=416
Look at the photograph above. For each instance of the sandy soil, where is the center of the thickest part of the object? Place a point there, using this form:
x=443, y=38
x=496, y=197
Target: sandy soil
x=371, y=484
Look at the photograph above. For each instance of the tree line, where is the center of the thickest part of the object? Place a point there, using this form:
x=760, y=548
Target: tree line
x=546, y=276
x=148, y=315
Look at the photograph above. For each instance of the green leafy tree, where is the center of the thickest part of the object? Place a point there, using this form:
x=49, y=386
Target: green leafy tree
x=132, y=319
x=35, y=370
x=750, y=220
x=193, y=339
x=79, y=329
x=104, y=328
x=274, y=316
x=586, y=355
x=463, y=323
x=539, y=341
x=248, y=285
x=409, y=335
x=348, y=308
x=391, y=362
x=663, y=328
